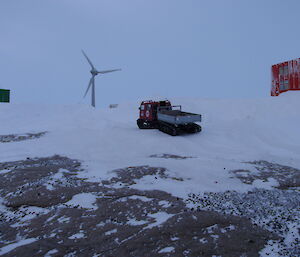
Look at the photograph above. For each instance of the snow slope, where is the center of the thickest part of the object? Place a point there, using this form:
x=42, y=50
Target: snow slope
x=234, y=131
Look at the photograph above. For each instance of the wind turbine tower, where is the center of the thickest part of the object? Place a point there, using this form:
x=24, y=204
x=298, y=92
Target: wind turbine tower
x=94, y=73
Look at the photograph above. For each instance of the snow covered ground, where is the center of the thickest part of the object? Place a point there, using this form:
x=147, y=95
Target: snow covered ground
x=235, y=132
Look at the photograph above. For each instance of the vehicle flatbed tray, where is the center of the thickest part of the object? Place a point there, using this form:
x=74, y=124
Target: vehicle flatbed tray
x=177, y=117
x=174, y=112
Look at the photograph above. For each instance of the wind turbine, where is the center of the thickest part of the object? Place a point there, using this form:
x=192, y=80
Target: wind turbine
x=94, y=73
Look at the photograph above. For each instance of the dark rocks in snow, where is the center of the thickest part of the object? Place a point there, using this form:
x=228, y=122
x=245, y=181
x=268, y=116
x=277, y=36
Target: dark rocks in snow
x=20, y=137
x=170, y=156
x=287, y=177
x=122, y=222
x=127, y=176
x=274, y=210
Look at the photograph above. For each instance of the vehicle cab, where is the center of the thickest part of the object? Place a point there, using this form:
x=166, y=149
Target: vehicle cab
x=148, y=109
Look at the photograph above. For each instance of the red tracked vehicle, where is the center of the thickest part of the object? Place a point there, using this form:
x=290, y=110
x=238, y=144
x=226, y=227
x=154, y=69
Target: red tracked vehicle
x=167, y=118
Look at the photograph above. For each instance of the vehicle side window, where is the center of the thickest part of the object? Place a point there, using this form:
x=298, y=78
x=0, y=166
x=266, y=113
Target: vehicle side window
x=148, y=107
x=142, y=107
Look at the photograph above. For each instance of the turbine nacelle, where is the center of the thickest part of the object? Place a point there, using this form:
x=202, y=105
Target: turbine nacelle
x=94, y=72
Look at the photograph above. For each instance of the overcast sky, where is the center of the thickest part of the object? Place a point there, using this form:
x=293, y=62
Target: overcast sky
x=167, y=48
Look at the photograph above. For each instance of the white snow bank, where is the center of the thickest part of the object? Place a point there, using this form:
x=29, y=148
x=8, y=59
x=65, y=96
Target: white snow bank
x=77, y=236
x=12, y=246
x=160, y=217
x=84, y=200
x=49, y=253
x=107, y=233
x=167, y=249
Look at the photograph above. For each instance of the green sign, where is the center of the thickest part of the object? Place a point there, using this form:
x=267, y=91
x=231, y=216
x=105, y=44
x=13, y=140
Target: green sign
x=4, y=95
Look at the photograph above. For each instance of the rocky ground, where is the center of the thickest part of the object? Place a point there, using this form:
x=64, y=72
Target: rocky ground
x=20, y=137
x=46, y=210
x=276, y=210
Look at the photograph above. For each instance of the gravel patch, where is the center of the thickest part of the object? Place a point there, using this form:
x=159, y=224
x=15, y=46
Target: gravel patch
x=20, y=137
x=170, y=156
x=128, y=176
x=276, y=210
x=47, y=210
x=287, y=177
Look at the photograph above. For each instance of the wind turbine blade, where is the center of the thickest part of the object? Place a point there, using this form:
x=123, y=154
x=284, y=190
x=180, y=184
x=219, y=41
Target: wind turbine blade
x=90, y=83
x=107, y=71
x=88, y=59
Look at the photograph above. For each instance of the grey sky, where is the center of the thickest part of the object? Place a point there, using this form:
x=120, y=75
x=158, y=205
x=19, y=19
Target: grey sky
x=168, y=48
